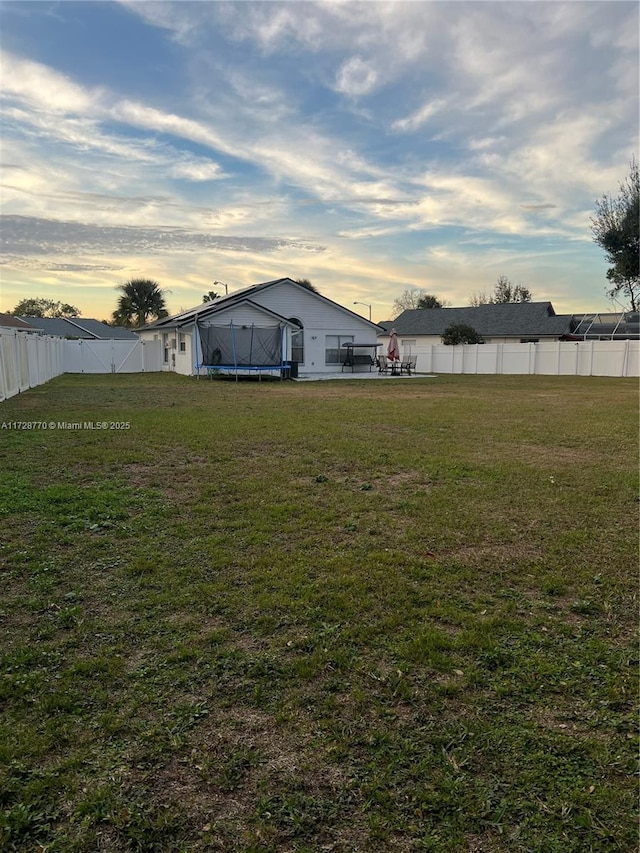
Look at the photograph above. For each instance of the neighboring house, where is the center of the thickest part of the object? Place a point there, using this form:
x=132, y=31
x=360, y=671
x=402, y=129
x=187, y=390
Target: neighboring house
x=10, y=323
x=263, y=326
x=522, y=322
x=79, y=327
x=606, y=327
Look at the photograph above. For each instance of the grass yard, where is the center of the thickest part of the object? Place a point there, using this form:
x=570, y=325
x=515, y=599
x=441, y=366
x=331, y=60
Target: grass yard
x=336, y=616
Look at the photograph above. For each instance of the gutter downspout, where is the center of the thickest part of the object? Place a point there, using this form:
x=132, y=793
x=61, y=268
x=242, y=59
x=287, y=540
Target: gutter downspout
x=196, y=365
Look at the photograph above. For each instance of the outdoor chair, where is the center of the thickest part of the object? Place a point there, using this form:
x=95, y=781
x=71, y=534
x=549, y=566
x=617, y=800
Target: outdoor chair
x=383, y=364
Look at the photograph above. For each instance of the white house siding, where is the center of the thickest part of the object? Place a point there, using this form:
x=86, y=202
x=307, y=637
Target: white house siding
x=185, y=362
x=320, y=318
x=241, y=315
x=171, y=357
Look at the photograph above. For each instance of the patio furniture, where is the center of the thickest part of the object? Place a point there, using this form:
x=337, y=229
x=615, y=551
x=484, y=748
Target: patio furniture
x=355, y=359
x=407, y=365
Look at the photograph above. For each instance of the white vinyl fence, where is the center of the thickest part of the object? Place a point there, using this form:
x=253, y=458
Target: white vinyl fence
x=112, y=356
x=547, y=358
x=28, y=360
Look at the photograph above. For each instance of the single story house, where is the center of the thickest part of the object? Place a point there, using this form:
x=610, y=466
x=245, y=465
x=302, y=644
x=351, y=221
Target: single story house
x=10, y=323
x=522, y=322
x=264, y=327
x=79, y=328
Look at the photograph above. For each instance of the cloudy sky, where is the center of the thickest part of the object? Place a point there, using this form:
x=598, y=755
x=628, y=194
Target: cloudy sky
x=370, y=147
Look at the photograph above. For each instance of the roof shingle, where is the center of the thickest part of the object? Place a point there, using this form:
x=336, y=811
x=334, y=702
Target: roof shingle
x=523, y=319
x=79, y=327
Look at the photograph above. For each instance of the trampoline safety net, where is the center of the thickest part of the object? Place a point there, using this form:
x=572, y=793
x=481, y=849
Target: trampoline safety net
x=241, y=346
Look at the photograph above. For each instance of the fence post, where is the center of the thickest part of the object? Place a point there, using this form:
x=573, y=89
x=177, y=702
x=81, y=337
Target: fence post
x=625, y=358
x=16, y=349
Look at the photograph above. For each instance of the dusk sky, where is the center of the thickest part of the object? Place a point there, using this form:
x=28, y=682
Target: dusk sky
x=369, y=147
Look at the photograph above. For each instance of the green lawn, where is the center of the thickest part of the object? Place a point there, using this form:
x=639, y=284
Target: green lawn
x=336, y=616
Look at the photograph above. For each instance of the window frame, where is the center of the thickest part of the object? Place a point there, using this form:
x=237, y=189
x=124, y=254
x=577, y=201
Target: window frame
x=339, y=351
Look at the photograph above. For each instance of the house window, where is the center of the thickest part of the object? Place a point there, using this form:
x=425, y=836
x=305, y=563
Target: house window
x=165, y=347
x=334, y=352
x=297, y=343
x=407, y=345
x=529, y=340
x=182, y=342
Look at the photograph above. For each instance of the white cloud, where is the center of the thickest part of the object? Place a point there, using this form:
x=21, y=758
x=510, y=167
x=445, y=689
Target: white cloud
x=356, y=78
x=43, y=88
x=487, y=120
x=195, y=169
x=23, y=235
x=298, y=155
x=420, y=117
x=178, y=19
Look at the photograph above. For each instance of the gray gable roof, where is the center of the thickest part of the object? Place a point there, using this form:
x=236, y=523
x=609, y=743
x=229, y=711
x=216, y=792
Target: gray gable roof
x=207, y=310
x=507, y=320
x=262, y=308
x=103, y=330
x=243, y=295
x=79, y=327
x=16, y=323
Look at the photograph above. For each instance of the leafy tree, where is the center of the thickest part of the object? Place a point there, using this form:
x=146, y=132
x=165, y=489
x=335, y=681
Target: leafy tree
x=141, y=300
x=407, y=301
x=615, y=229
x=431, y=301
x=210, y=296
x=503, y=292
x=477, y=299
x=461, y=333
x=44, y=308
x=306, y=283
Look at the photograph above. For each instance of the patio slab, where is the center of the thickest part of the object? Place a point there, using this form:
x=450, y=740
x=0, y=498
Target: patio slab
x=320, y=377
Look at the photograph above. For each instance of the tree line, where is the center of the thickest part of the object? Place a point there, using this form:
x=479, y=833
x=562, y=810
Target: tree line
x=504, y=291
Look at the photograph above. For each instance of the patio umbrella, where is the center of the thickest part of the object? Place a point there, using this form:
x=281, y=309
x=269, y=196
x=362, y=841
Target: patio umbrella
x=393, y=350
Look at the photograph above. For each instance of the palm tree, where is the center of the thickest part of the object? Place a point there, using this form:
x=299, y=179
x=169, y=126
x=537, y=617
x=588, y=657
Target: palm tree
x=142, y=300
